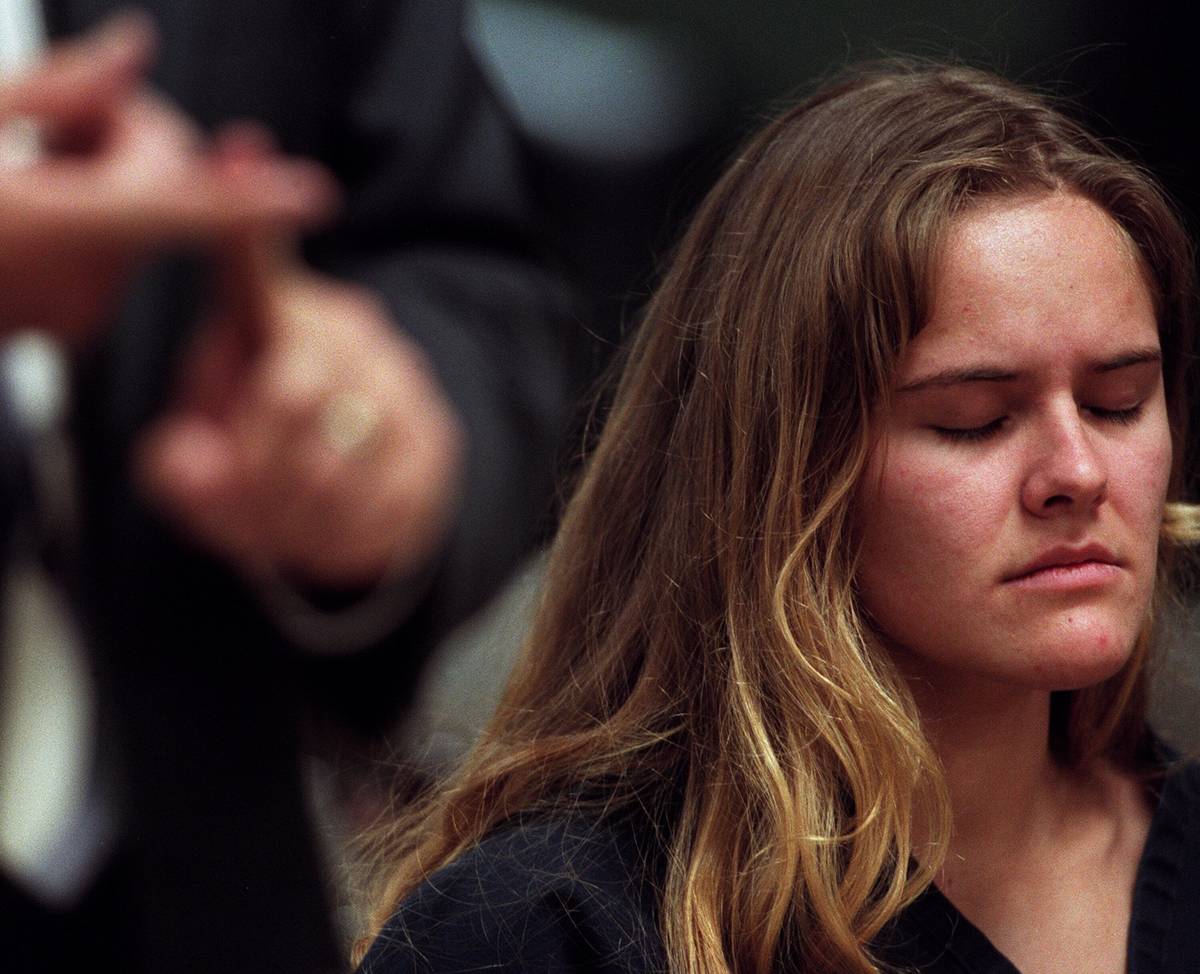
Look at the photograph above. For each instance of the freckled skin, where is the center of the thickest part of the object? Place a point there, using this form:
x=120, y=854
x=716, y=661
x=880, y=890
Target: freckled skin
x=1063, y=452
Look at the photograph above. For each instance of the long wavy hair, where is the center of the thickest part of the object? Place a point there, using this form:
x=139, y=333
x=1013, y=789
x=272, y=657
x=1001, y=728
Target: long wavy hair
x=699, y=654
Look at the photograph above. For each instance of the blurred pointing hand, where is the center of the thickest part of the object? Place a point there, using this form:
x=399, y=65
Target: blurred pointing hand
x=309, y=437
x=120, y=172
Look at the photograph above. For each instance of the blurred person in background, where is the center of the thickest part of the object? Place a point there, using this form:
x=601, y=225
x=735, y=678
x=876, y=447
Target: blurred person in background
x=299, y=461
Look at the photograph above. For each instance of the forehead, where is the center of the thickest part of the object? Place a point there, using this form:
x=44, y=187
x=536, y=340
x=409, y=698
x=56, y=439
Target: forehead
x=1031, y=278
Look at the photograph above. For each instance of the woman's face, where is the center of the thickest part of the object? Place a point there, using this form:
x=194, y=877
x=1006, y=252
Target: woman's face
x=1010, y=513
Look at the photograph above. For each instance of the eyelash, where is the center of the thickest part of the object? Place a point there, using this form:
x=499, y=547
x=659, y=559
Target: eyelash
x=975, y=434
x=972, y=434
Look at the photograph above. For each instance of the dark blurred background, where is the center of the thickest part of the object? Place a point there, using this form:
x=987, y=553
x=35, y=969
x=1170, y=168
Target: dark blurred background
x=636, y=104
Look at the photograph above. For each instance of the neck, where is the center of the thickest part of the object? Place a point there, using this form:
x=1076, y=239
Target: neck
x=1035, y=847
x=994, y=746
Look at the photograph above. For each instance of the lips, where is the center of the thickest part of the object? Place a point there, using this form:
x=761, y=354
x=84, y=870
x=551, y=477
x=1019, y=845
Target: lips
x=1066, y=557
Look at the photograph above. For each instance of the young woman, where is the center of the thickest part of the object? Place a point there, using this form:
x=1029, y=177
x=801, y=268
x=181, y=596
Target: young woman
x=841, y=661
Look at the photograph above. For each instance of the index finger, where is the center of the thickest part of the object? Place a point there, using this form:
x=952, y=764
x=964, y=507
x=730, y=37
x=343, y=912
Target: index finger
x=251, y=268
x=80, y=80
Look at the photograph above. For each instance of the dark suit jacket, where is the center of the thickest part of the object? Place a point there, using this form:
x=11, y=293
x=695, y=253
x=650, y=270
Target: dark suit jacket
x=202, y=693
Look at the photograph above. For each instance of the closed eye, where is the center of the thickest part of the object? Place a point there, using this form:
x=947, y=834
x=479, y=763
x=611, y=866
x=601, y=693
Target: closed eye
x=973, y=434
x=1122, y=417
x=970, y=434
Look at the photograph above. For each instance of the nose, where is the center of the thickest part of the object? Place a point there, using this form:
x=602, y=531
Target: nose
x=1068, y=471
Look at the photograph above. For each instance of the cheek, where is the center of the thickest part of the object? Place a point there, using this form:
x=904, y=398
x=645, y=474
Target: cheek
x=925, y=528
x=1139, y=483
x=1140, y=466
x=1158, y=464
x=926, y=510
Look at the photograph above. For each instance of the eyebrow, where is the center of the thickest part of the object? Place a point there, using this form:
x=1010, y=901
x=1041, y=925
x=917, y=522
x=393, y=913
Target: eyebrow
x=984, y=373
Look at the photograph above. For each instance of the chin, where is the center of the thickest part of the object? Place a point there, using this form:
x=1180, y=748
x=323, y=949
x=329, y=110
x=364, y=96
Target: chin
x=1086, y=659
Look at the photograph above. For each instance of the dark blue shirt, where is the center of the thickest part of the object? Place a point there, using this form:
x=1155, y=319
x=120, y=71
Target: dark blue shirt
x=580, y=895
